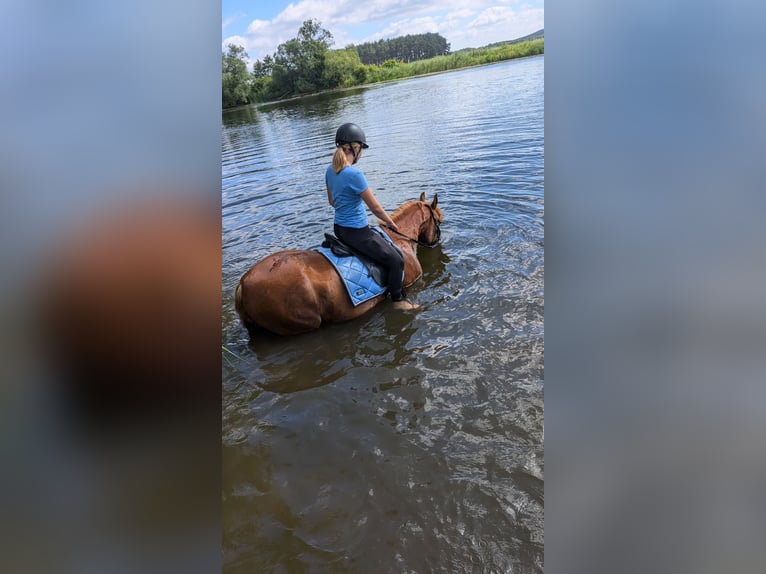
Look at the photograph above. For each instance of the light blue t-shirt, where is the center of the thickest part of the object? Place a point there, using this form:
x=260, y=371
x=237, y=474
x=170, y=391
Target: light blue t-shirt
x=345, y=188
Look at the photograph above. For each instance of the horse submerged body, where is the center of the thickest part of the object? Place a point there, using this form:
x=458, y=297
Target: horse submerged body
x=296, y=291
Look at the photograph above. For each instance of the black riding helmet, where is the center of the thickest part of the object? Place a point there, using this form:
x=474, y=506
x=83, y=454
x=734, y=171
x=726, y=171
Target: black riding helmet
x=350, y=133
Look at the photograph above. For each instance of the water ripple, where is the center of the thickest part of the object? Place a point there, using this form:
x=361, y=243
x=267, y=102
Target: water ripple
x=396, y=442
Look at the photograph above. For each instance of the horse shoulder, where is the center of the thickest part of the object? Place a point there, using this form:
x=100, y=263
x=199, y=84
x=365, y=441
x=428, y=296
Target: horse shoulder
x=412, y=268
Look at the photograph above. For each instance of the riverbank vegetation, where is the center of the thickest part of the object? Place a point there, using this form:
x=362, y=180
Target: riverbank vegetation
x=306, y=64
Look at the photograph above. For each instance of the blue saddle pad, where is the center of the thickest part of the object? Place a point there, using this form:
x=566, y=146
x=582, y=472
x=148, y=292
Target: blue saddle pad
x=356, y=277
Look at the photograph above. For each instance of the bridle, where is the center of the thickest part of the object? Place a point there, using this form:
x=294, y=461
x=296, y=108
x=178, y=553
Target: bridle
x=421, y=243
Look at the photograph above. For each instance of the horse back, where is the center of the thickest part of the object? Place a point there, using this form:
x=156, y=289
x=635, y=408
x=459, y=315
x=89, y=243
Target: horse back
x=291, y=292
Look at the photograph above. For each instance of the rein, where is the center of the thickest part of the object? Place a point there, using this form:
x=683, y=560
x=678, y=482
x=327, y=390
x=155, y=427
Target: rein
x=421, y=243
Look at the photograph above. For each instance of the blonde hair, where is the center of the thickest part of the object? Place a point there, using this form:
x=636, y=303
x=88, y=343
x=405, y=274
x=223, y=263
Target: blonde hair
x=339, y=159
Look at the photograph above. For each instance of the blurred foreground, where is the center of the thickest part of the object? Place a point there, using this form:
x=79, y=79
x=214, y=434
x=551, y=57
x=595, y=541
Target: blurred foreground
x=655, y=317
x=110, y=291
x=654, y=398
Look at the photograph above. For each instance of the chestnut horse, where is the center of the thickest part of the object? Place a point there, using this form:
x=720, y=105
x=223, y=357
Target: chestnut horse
x=291, y=292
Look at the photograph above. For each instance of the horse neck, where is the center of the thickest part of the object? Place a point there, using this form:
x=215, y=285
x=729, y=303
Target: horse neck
x=408, y=219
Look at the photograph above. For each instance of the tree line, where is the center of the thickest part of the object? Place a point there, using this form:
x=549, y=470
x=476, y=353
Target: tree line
x=306, y=64
x=409, y=48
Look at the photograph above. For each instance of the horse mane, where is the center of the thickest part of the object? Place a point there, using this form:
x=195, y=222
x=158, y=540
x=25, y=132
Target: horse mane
x=403, y=207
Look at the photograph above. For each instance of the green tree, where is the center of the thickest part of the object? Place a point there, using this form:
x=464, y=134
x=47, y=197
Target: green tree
x=261, y=79
x=236, y=83
x=360, y=74
x=409, y=48
x=299, y=64
x=339, y=67
x=263, y=69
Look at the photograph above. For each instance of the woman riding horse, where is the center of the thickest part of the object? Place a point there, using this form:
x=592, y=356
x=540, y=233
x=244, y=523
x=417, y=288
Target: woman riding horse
x=295, y=291
x=348, y=192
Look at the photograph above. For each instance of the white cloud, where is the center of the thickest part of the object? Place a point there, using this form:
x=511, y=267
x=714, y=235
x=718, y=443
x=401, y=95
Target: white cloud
x=492, y=16
x=258, y=26
x=403, y=27
x=237, y=40
x=464, y=23
x=296, y=14
x=484, y=30
x=361, y=12
x=460, y=14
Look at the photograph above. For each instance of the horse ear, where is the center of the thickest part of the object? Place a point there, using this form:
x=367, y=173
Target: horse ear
x=423, y=196
x=435, y=201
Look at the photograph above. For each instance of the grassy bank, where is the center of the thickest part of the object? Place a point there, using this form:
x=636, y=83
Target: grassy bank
x=393, y=70
x=342, y=70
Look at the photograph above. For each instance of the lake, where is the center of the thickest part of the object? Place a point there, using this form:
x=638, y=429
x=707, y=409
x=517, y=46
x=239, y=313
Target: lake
x=398, y=442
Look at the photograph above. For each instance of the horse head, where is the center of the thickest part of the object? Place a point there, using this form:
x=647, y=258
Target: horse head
x=429, y=232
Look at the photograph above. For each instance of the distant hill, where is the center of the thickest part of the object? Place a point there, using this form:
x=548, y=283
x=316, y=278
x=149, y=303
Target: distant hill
x=534, y=36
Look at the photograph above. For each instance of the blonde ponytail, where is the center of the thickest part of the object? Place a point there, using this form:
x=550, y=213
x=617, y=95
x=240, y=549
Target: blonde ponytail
x=339, y=160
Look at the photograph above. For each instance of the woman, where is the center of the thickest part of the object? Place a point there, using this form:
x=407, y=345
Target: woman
x=348, y=192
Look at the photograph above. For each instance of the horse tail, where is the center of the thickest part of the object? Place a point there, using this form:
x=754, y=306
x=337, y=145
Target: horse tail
x=238, y=300
x=239, y=306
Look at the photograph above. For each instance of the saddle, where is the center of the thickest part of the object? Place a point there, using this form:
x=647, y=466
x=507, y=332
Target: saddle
x=340, y=249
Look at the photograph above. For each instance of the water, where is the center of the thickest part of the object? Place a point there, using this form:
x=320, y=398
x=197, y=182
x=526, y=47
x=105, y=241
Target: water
x=397, y=442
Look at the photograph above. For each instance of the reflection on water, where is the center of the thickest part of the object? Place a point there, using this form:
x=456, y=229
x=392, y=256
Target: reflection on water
x=398, y=441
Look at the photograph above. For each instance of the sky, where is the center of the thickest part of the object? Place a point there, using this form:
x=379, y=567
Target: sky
x=260, y=26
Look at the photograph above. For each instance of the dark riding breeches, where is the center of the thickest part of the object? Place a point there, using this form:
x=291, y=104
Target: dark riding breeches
x=371, y=244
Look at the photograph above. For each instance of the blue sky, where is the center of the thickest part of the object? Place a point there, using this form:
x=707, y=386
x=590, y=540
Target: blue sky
x=261, y=25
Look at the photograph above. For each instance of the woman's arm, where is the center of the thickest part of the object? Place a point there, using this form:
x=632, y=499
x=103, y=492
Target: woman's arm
x=329, y=197
x=377, y=210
